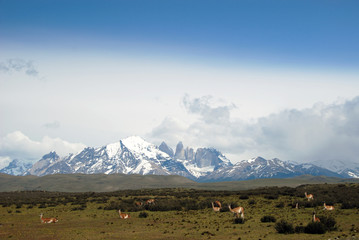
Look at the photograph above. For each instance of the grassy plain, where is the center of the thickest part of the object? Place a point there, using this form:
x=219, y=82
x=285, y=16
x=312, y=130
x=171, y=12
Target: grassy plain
x=115, y=182
x=177, y=214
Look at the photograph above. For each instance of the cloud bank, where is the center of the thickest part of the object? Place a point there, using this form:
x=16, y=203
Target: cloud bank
x=17, y=145
x=322, y=132
x=19, y=65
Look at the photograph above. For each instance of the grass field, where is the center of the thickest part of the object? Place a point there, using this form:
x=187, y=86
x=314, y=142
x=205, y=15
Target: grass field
x=177, y=213
x=115, y=182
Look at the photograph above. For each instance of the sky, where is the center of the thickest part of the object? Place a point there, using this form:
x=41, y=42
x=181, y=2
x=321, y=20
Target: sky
x=277, y=79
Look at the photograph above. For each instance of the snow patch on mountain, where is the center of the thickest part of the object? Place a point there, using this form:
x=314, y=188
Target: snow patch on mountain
x=353, y=175
x=113, y=149
x=196, y=171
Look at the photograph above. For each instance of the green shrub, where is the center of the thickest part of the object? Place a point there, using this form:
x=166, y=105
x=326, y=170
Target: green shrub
x=238, y=221
x=243, y=197
x=284, y=227
x=349, y=205
x=271, y=197
x=143, y=215
x=315, y=228
x=328, y=222
x=113, y=206
x=168, y=205
x=299, y=229
x=268, y=219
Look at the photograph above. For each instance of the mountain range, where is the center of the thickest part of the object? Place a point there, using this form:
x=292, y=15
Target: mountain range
x=134, y=155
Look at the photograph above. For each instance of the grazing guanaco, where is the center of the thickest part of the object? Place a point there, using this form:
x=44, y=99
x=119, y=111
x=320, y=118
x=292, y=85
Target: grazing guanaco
x=48, y=220
x=309, y=196
x=329, y=208
x=138, y=204
x=315, y=219
x=150, y=201
x=215, y=208
x=123, y=215
x=236, y=211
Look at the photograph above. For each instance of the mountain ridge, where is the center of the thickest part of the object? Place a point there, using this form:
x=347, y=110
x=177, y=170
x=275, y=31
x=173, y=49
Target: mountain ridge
x=134, y=155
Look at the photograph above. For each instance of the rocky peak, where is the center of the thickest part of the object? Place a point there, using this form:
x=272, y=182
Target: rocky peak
x=189, y=153
x=180, y=154
x=51, y=156
x=207, y=157
x=165, y=148
x=40, y=167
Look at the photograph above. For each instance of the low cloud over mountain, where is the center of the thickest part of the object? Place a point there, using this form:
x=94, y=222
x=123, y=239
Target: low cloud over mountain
x=17, y=145
x=321, y=132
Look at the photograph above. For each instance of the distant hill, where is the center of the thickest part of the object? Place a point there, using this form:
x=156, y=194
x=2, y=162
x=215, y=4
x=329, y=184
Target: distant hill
x=113, y=182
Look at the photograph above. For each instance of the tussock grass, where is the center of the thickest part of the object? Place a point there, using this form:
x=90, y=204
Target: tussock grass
x=177, y=214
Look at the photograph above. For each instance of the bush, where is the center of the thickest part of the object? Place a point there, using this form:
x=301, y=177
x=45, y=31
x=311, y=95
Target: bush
x=143, y=215
x=328, y=222
x=251, y=202
x=315, y=228
x=244, y=197
x=299, y=229
x=238, y=221
x=280, y=205
x=113, y=206
x=349, y=205
x=167, y=205
x=268, y=219
x=271, y=197
x=284, y=227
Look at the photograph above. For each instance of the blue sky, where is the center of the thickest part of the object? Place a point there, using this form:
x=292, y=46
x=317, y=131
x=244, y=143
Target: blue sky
x=294, y=33
x=241, y=76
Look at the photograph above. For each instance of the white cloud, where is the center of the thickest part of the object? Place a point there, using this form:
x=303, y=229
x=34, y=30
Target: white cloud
x=17, y=145
x=320, y=132
x=209, y=113
x=19, y=65
x=4, y=161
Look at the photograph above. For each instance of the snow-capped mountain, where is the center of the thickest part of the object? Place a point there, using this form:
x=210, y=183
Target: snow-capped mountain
x=201, y=162
x=16, y=167
x=133, y=155
x=129, y=156
x=261, y=168
x=350, y=173
x=335, y=165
